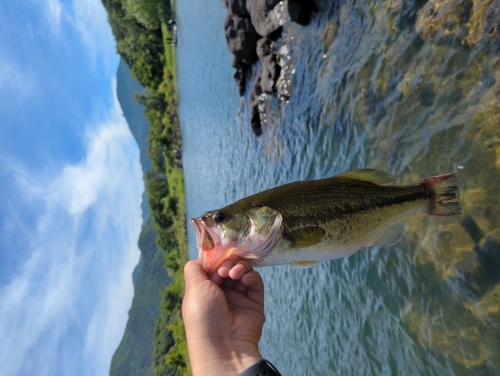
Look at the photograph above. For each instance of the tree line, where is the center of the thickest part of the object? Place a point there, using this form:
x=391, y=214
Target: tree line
x=141, y=31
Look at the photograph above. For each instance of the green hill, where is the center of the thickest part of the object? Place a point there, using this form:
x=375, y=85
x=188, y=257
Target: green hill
x=134, y=355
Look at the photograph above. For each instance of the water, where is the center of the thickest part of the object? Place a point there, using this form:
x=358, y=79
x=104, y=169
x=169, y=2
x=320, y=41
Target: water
x=369, y=90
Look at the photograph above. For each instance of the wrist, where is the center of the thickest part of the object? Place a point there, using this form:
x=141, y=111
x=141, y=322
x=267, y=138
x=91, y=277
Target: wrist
x=214, y=357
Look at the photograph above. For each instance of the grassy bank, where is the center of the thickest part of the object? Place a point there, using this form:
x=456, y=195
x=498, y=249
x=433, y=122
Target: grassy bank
x=170, y=320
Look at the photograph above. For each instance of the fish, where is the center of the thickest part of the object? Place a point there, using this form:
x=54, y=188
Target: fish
x=306, y=222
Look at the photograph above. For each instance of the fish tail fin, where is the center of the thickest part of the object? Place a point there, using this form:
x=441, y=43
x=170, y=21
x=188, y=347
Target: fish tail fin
x=442, y=189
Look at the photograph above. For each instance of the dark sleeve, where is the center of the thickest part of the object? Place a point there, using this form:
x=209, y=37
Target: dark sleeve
x=261, y=368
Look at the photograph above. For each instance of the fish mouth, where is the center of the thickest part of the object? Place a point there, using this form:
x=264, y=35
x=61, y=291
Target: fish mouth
x=204, y=240
x=209, y=243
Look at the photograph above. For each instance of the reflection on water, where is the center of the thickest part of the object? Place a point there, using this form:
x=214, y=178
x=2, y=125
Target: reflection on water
x=411, y=87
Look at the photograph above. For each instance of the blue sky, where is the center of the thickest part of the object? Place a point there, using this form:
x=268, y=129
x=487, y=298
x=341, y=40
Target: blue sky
x=70, y=191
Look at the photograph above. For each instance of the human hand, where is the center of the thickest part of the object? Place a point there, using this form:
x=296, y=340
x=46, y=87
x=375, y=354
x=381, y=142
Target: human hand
x=223, y=316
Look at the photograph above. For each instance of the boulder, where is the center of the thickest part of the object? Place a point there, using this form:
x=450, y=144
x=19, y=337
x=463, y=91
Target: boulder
x=241, y=73
x=236, y=7
x=262, y=19
x=269, y=72
x=258, y=102
x=241, y=38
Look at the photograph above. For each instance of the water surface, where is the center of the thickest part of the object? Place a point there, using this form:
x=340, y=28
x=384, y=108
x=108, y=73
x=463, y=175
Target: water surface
x=393, y=85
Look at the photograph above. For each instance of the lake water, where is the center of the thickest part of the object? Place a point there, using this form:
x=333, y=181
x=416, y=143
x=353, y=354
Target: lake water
x=374, y=86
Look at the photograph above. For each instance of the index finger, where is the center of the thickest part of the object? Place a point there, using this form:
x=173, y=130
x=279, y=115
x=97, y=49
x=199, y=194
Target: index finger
x=253, y=281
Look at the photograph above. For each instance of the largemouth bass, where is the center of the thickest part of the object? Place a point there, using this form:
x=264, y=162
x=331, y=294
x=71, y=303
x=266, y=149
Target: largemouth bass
x=306, y=222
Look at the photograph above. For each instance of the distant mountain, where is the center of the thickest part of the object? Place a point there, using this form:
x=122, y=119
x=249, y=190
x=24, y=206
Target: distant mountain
x=126, y=86
x=134, y=355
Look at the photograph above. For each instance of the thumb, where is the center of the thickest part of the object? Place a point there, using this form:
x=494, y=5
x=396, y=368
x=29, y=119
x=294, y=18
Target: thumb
x=194, y=274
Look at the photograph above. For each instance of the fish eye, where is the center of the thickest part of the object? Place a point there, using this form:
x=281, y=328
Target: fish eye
x=219, y=217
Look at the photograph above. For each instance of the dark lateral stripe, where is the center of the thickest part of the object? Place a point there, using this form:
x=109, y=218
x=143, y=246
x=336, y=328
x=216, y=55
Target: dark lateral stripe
x=358, y=206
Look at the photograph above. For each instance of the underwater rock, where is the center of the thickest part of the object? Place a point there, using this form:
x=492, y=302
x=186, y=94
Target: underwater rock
x=488, y=308
x=487, y=113
x=484, y=22
x=497, y=157
x=446, y=334
x=450, y=249
x=489, y=252
x=443, y=19
x=482, y=208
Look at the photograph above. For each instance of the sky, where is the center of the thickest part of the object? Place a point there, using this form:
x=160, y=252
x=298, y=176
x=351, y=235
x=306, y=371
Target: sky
x=70, y=191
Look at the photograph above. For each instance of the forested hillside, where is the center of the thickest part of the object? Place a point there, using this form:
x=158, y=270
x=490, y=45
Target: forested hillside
x=134, y=354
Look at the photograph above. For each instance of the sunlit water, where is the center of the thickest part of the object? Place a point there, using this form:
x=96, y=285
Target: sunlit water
x=369, y=90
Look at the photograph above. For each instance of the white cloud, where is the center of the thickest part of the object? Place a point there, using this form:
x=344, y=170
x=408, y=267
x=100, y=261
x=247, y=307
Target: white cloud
x=90, y=20
x=67, y=306
x=54, y=12
x=16, y=81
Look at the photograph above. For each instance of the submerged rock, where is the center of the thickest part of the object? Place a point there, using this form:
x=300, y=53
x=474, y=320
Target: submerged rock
x=489, y=252
x=447, y=333
x=488, y=308
x=443, y=18
x=484, y=22
x=482, y=207
x=450, y=249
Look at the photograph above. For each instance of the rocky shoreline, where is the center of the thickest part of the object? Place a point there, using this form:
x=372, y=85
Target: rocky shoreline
x=253, y=30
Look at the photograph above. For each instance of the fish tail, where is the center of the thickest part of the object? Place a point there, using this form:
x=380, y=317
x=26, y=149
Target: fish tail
x=442, y=189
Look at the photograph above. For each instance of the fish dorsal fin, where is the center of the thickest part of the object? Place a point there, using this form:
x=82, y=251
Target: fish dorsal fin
x=368, y=174
x=390, y=236
x=305, y=237
x=303, y=264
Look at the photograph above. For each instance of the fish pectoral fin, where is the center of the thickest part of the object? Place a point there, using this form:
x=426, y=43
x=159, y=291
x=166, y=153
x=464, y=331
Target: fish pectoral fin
x=389, y=237
x=303, y=264
x=305, y=237
x=368, y=174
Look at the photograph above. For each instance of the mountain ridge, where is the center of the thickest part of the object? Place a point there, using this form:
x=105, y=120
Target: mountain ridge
x=134, y=354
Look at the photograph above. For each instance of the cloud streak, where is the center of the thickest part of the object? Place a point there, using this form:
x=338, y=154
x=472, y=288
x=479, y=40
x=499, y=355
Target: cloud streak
x=16, y=81
x=87, y=18
x=66, y=307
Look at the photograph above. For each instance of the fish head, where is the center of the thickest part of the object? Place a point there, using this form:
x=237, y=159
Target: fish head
x=250, y=234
